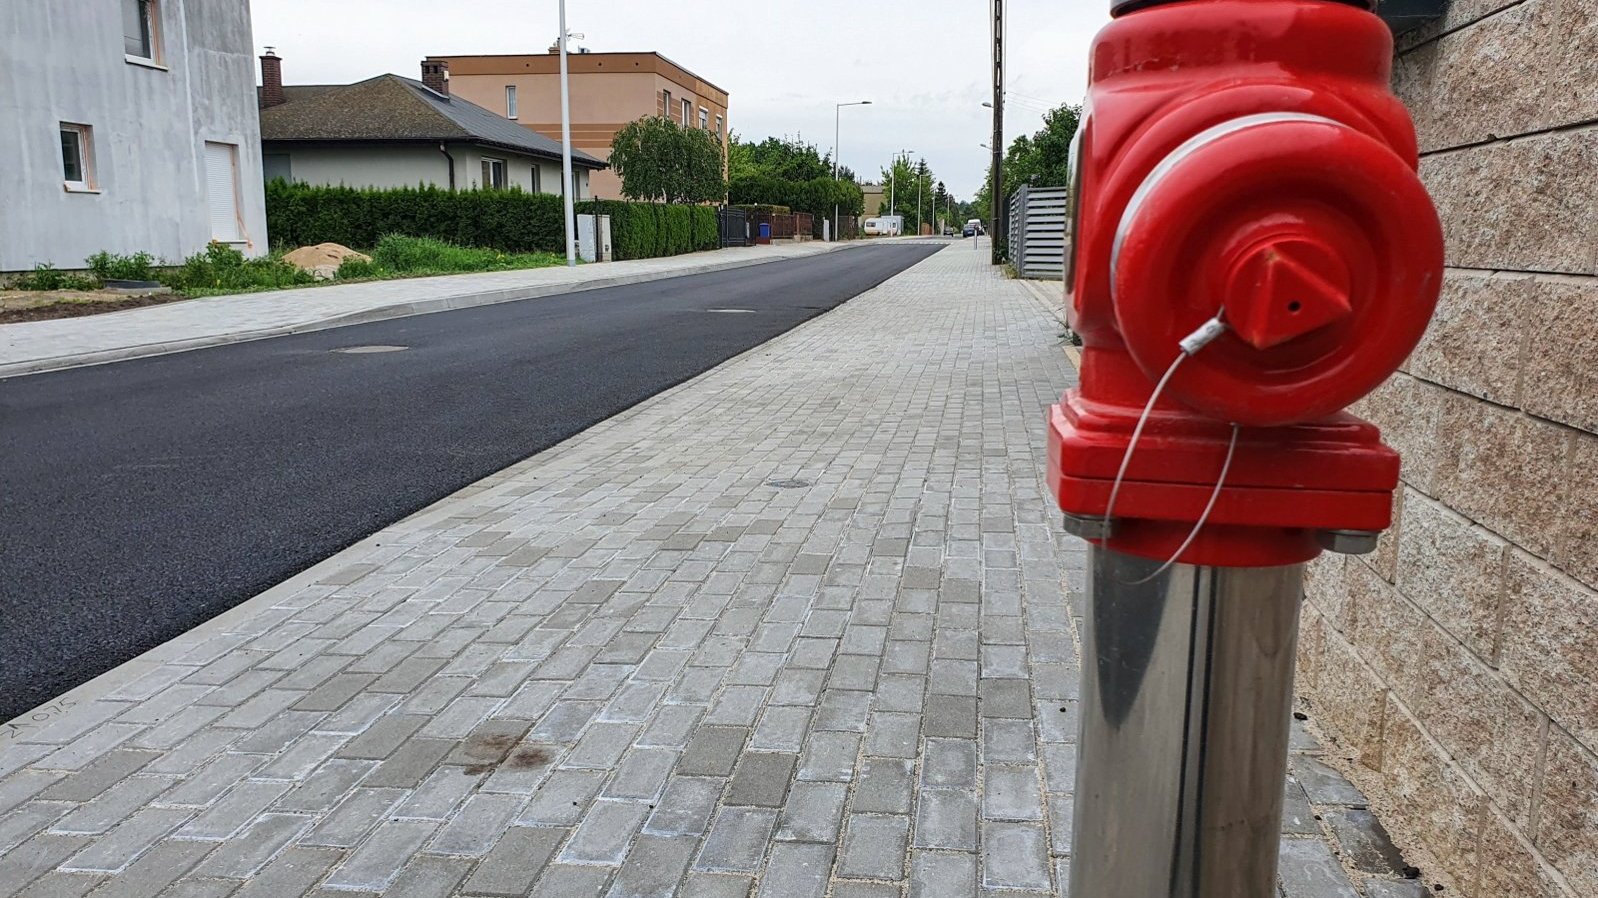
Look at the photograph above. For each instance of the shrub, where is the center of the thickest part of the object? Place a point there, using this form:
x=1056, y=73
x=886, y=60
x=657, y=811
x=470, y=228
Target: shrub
x=509, y=221
x=111, y=266
x=423, y=255
x=221, y=267
x=46, y=277
x=353, y=268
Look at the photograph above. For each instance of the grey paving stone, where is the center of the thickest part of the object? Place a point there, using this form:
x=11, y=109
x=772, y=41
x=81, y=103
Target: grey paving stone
x=255, y=847
x=874, y=847
x=34, y=858
x=712, y=751
x=1014, y=856
x=812, y=813
x=514, y=864
x=107, y=810
x=653, y=868
x=641, y=774
x=761, y=779
x=1375, y=888
x=373, y=866
x=563, y=798
x=234, y=811
x=67, y=885
x=1010, y=742
x=1365, y=841
x=782, y=729
x=737, y=840
x=1308, y=869
x=716, y=885
x=331, y=695
x=1323, y=784
x=685, y=808
x=843, y=711
x=479, y=823
x=953, y=716
x=946, y=819
x=885, y=786
x=938, y=875
x=155, y=869
x=21, y=824
x=293, y=873
x=892, y=734
x=568, y=881
x=797, y=870
x=409, y=765
x=105, y=772
x=605, y=831
x=1011, y=793
x=383, y=737
x=354, y=817
x=1062, y=823
x=429, y=876
x=114, y=851
x=1004, y=698
x=1298, y=818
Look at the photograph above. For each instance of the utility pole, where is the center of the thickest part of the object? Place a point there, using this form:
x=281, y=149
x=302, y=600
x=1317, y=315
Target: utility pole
x=998, y=127
x=566, y=145
x=921, y=176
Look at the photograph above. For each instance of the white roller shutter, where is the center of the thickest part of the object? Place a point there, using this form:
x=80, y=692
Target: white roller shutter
x=222, y=191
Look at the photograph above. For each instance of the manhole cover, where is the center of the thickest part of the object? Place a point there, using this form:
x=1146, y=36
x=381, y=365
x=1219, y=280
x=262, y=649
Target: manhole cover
x=732, y=311
x=794, y=484
x=366, y=350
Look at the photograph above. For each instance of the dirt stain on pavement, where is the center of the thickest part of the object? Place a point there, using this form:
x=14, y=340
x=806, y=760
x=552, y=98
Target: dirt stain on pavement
x=492, y=751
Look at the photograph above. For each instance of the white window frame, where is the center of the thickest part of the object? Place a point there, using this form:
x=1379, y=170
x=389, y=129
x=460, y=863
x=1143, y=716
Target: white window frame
x=152, y=23
x=704, y=119
x=687, y=112
x=84, y=135
x=510, y=102
x=538, y=179
x=489, y=163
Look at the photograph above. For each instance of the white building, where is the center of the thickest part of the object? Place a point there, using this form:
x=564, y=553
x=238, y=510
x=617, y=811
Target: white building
x=127, y=126
x=389, y=131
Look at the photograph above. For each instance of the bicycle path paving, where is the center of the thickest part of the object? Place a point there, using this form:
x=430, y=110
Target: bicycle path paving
x=33, y=346
x=802, y=626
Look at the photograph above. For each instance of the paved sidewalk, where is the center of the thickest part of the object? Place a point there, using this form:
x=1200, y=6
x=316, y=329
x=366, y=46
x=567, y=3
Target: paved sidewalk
x=800, y=627
x=62, y=343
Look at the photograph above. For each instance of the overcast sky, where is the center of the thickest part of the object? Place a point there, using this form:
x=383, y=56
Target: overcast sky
x=923, y=63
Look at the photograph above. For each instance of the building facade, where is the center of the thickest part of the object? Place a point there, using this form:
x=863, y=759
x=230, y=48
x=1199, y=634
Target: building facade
x=389, y=131
x=608, y=90
x=1457, y=668
x=128, y=126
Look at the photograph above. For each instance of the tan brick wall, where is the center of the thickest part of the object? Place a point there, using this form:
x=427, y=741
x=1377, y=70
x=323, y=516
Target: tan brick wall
x=1457, y=667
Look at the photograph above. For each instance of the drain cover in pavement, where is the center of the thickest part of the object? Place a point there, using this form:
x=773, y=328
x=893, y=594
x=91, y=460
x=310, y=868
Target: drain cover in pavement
x=365, y=350
x=788, y=484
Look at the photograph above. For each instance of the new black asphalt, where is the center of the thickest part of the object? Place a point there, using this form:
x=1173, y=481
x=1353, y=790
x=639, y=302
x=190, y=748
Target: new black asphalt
x=140, y=499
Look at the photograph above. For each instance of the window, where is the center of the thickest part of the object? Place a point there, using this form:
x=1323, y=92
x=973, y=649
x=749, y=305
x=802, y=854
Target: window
x=665, y=103
x=538, y=181
x=222, y=191
x=493, y=174
x=687, y=112
x=718, y=126
x=510, y=101
x=141, y=30
x=704, y=119
x=277, y=167
x=77, y=157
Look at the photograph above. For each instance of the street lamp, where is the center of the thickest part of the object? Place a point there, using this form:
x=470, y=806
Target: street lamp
x=566, y=142
x=893, y=182
x=837, y=128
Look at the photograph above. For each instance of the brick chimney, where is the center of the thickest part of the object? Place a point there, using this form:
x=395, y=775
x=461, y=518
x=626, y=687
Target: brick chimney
x=435, y=74
x=271, y=79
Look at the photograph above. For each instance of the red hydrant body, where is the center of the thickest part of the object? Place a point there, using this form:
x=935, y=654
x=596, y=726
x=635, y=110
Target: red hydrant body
x=1240, y=160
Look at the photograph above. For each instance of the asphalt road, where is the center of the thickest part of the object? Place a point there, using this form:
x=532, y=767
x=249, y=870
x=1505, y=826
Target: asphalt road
x=140, y=499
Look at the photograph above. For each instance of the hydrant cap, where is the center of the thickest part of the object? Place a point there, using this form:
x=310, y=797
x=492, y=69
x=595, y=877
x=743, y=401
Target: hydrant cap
x=1121, y=7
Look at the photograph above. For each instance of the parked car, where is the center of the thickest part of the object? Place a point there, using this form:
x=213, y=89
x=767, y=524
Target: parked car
x=973, y=228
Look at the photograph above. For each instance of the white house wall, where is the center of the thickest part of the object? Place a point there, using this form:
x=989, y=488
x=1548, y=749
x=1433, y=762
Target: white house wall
x=410, y=165
x=64, y=62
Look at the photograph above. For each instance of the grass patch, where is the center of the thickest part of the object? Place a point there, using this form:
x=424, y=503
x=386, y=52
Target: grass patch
x=223, y=269
x=46, y=278
x=412, y=256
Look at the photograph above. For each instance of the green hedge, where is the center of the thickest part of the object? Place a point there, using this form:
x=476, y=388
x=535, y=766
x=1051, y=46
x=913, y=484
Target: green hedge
x=511, y=221
x=650, y=230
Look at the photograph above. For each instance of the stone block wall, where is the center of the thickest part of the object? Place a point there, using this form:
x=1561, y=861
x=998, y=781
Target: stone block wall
x=1457, y=668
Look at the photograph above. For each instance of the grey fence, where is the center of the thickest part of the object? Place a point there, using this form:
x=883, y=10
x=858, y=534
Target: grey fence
x=1038, y=232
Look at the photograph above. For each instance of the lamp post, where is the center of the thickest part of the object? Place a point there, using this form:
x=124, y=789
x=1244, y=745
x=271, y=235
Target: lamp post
x=837, y=130
x=566, y=145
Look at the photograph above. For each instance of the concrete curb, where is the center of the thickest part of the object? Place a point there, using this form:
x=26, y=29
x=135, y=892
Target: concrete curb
x=128, y=671
x=387, y=313
x=1051, y=301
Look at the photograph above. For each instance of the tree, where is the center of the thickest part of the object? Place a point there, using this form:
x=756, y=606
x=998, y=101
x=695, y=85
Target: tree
x=905, y=178
x=659, y=160
x=788, y=159
x=792, y=173
x=1042, y=159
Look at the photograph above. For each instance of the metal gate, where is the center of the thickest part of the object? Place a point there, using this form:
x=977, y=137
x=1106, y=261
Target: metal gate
x=734, y=225
x=1038, y=232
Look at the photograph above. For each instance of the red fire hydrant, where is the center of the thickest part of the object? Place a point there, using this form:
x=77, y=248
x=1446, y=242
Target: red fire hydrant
x=1253, y=252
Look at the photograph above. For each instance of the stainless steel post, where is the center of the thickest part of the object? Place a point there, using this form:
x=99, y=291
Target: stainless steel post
x=1187, y=688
